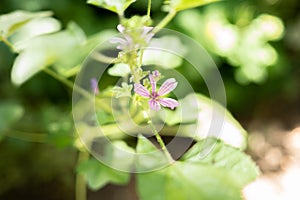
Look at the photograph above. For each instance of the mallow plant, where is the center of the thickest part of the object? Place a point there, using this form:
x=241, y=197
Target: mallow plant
x=148, y=122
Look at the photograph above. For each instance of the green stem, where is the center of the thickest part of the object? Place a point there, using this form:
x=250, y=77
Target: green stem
x=31, y=137
x=80, y=183
x=158, y=138
x=73, y=86
x=59, y=78
x=102, y=58
x=7, y=43
x=149, y=8
x=165, y=21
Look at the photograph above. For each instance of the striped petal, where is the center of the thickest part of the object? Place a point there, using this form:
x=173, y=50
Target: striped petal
x=154, y=105
x=168, y=102
x=153, y=84
x=141, y=90
x=169, y=85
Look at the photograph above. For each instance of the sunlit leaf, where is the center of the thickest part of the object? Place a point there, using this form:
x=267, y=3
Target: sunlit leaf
x=45, y=50
x=197, y=114
x=238, y=164
x=179, y=5
x=119, y=69
x=10, y=112
x=11, y=22
x=220, y=175
x=188, y=180
x=186, y=105
x=117, y=6
x=98, y=175
x=21, y=38
x=67, y=67
x=160, y=52
x=149, y=157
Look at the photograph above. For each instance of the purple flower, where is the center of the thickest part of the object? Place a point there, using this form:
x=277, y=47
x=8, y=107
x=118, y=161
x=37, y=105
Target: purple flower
x=94, y=86
x=156, y=99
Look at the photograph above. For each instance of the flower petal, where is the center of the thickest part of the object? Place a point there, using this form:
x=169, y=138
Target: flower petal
x=154, y=105
x=153, y=84
x=94, y=85
x=141, y=90
x=121, y=28
x=169, y=85
x=168, y=102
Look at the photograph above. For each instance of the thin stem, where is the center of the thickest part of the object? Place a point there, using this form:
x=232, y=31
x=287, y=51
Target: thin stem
x=141, y=56
x=31, y=137
x=7, y=43
x=149, y=8
x=80, y=183
x=165, y=21
x=102, y=58
x=73, y=86
x=59, y=78
x=158, y=138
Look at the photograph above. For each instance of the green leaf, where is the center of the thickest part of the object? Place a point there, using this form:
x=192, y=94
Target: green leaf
x=119, y=69
x=186, y=105
x=220, y=175
x=124, y=91
x=44, y=51
x=104, y=118
x=239, y=165
x=40, y=26
x=60, y=133
x=178, y=5
x=69, y=67
x=197, y=112
x=117, y=6
x=98, y=175
x=11, y=22
x=156, y=53
x=10, y=112
x=188, y=180
x=149, y=157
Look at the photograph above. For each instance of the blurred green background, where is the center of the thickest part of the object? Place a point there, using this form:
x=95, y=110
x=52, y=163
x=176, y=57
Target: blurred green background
x=256, y=45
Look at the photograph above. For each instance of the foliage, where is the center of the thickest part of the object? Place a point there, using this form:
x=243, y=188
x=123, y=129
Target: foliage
x=215, y=166
x=98, y=175
x=190, y=178
x=242, y=39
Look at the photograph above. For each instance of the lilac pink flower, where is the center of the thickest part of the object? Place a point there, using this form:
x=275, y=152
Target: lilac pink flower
x=156, y=99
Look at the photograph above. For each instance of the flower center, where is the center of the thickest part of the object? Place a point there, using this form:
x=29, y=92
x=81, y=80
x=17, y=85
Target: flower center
x=154, y=96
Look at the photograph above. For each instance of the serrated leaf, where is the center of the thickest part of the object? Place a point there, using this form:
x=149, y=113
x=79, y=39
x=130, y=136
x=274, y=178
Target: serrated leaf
x=10, y=112
x=178, y=5
x=11, y=22
x=98, y=175
x=44, y=51
x=117, y=6
x=213, y=152
x=187, y=180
